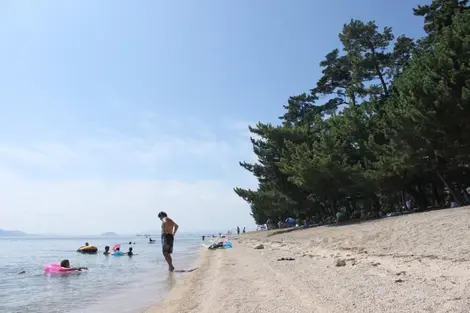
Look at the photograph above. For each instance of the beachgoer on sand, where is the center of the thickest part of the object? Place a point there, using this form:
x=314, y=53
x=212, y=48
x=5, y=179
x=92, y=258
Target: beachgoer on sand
x=169, y=229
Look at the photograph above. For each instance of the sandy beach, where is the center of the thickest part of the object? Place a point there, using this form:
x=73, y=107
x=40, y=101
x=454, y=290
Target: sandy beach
x=412, y=263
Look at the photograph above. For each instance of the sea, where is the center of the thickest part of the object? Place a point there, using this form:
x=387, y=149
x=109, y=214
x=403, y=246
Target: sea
x=112, y=284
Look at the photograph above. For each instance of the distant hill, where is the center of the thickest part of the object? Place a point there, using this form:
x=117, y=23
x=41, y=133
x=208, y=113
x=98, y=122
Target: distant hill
x=109, y=234
x=6, y=233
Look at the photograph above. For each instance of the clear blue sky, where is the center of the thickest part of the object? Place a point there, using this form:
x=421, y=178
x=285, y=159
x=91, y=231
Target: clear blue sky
x=115, y=110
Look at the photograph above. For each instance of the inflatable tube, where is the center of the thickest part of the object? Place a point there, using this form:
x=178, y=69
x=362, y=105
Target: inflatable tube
x=116, y=246
x=88, y=249
x=118, y=253
x=56, y=269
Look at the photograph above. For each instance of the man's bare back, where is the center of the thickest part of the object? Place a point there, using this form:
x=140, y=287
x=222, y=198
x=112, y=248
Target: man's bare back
x=169, y=226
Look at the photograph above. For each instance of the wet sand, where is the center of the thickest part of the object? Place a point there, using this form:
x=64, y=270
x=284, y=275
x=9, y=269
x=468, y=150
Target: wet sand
x=412, y=263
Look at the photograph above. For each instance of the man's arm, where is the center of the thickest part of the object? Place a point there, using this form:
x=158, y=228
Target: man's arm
x=69, y=269
x=175, y=229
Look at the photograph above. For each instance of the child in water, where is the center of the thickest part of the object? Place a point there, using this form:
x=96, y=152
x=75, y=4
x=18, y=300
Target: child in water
x=106, y=250
x=65, y=267
x=130, y=253
x=118, y=252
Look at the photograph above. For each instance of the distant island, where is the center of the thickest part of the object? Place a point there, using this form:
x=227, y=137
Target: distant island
x=7, y=233
x=109, y=234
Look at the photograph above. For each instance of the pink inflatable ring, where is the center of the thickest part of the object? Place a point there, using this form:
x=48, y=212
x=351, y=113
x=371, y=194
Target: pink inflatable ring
x=57, y=269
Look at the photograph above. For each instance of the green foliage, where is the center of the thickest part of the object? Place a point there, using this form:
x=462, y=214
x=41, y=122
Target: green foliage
x=440, y=14
x=387, y=121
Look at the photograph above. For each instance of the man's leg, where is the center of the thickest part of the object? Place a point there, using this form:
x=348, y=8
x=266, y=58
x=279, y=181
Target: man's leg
x=167, y=245
x=169, y=260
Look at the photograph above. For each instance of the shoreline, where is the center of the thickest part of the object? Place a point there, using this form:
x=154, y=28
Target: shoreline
x=410, y=263
x=182, y=286
x=183, y=277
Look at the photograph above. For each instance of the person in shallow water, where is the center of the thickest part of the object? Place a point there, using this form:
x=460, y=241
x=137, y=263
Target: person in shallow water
x=130, y=253
x=106, y=251
x=86, y=245
x=65, y=267
x=169, y=229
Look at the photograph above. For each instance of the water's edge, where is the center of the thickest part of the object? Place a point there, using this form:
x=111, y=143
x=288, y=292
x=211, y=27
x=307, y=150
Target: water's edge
x=193, y=266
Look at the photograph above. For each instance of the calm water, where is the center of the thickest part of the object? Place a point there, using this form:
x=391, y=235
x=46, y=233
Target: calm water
x=112, y=284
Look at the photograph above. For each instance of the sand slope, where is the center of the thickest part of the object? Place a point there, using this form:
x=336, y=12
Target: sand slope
x=413, y=263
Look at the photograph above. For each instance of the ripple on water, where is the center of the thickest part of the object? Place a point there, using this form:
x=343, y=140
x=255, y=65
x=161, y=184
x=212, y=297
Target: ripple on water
x=117, y=284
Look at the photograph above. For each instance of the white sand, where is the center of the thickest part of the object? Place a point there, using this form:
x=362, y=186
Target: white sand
x=412, y=263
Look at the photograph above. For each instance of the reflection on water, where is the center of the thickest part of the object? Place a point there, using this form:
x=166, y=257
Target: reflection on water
x=171, y=281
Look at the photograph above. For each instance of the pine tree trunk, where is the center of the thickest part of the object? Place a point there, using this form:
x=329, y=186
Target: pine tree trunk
x=456, y=195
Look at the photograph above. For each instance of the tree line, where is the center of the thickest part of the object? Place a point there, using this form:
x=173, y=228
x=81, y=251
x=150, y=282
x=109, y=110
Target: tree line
x=388, y=122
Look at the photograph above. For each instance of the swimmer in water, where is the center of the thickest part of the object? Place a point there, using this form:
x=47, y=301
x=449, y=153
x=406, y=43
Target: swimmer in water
x=106, y=251
x=65, y=267
x=130, y=253
x=86, y=245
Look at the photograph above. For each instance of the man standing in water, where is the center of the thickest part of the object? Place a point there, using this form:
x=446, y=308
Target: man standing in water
x=169, y=229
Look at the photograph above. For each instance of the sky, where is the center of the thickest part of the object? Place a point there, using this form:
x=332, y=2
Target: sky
x=113, y=110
